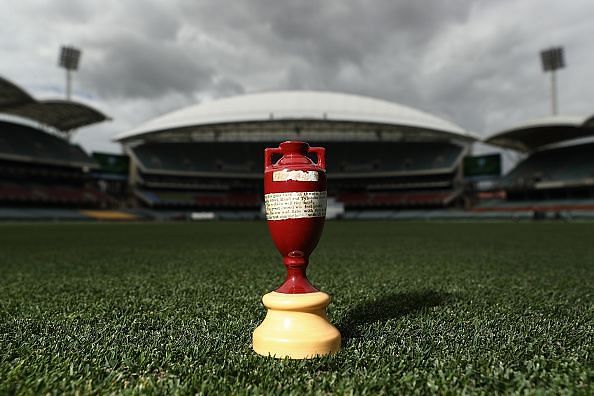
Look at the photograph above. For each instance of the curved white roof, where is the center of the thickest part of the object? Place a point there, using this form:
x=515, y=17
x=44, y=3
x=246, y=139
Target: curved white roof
x=554, y=120
x=296, y=105
x=64, y=115
x=533, y=134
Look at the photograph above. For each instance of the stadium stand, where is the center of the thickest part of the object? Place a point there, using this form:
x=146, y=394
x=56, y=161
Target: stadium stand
x=559, y=167
x=398, y=199
x=27, y=144
x=244, y=158
x=37, y=168
x=557, y=174
x=190, y=199
x=28, y=193
x=227, y=174
x=381, y=155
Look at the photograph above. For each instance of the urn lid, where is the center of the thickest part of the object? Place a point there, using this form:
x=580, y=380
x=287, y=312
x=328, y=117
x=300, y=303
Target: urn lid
x=294, y=147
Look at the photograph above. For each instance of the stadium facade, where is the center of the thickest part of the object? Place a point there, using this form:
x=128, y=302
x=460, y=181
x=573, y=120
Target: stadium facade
x=39, y=166
x=557, y=171
x=380, y=154
x=385, y=160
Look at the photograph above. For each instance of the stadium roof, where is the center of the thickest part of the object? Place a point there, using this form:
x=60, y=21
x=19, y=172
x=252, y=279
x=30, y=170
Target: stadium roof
x=12, y=95
x=538, y=133
x=62, y=115
x=313, y=111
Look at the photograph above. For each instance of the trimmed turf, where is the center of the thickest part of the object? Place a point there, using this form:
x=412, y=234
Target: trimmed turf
x=423, y=308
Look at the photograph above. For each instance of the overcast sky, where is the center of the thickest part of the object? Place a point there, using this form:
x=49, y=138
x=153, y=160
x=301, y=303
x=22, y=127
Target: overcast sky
x=473, y=62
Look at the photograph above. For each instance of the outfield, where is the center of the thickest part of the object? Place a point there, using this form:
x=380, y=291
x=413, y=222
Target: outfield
x=423, y=307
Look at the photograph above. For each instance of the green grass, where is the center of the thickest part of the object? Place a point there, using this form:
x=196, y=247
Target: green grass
x=423, y=308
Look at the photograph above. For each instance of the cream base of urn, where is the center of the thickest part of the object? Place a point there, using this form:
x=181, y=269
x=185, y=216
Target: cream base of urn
x=296, y=326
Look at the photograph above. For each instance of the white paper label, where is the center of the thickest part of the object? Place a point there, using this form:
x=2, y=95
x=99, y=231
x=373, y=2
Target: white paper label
x=297, y=175
x=295, y=205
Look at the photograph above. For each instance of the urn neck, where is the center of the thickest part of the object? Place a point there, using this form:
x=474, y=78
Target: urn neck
x=296, y=281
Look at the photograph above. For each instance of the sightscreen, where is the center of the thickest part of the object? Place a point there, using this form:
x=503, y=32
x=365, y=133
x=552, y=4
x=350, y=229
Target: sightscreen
x=112, y=163
x=482, y=166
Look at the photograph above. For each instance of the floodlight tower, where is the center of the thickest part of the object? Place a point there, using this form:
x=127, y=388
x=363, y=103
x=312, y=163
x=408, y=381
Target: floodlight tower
x=69, y=59
x=552, y=60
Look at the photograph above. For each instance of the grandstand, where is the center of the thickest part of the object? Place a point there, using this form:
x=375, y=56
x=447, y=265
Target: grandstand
x=558, y=170
x=553, y=168
x=39, y=167
x=385, y=160
x=380, y=154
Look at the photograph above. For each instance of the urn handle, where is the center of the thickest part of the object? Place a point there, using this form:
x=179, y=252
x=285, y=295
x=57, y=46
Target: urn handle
x=320, y=153
x=268, y=153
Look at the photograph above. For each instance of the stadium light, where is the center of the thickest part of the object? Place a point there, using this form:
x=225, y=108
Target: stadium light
x=69, y=60
x=553, y=60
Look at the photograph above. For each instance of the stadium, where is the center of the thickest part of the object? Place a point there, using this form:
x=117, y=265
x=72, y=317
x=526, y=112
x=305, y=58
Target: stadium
x=382, y=155
x=385, y=161
x=559, y=166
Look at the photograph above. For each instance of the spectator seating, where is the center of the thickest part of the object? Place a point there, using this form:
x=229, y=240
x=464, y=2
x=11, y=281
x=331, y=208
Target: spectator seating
x=40, y=169
x=343, y=158
x=208, y=175
x=403, y=157
x=437, y=198
x=564, y=165
x=189, y=199
x=24, y=143
x=27, y=193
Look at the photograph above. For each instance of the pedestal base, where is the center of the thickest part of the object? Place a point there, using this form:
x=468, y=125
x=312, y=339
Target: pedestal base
x=296, y=326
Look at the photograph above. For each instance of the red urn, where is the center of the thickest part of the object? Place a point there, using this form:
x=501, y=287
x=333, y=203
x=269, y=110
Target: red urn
x=295, y=201
x=296, y=325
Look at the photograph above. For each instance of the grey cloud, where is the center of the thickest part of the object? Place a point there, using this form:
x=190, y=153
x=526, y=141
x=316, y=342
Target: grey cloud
x=145, y=57
x=226, y=87
x=131, y=66
x=62, y=11
x=491, y=79
x=362, y=47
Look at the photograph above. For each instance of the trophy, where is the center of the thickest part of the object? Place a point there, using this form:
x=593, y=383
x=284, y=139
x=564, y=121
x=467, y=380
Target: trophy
x=296, y=325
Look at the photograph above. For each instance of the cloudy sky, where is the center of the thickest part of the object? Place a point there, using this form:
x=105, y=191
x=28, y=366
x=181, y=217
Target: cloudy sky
x=473, y=62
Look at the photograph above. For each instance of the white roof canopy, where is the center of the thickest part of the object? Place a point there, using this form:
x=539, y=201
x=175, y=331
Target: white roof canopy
x=63, y=115
x=541, y=132
x=302, y=110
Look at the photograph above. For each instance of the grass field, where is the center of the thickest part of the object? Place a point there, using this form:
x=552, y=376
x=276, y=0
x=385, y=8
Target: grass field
x=423, y=308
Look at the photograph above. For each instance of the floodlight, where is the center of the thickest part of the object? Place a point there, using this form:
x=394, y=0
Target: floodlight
x=69, y=59
x=552, y=60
